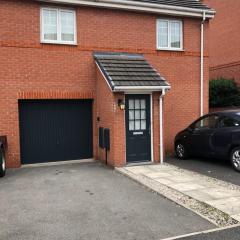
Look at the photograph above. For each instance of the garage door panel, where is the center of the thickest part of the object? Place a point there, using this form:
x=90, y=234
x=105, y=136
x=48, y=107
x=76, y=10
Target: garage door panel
x=55, y=130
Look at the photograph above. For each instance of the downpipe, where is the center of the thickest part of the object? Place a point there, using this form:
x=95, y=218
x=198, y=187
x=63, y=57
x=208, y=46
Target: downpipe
x=161, y=124
x=202, y=66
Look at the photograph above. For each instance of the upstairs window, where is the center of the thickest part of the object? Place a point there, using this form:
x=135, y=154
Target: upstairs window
x=58, y=26
x=169, y=34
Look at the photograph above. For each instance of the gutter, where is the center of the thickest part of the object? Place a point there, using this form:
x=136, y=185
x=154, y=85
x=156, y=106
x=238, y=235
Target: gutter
x=139, y=88
x=139, y=6
x=202, y=66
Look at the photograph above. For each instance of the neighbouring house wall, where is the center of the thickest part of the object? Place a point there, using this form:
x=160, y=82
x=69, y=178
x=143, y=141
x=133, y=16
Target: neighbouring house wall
x=31, y=70
x=228, y=71
x=218, y=109
x=224, y=40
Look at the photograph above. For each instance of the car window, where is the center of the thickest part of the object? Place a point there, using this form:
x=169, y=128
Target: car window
x=228, y=122
x=208, y=122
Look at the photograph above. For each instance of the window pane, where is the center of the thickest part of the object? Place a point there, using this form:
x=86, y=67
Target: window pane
x=162, y=34
x=131, y=104
x=143, y=114
x=175, y=34
x=137, y=114
x=137, y=104
x=49, y=24
x=143, y=104
x=143, y=124
x=201, y=124
x=137, y=124
x=131, y=125
x=229, y=122
x=67, y=26
x=131, y=114
x=207, y=122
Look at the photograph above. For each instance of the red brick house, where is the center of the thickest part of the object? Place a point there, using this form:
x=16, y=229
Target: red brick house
x=70, y=68
x=224, y=45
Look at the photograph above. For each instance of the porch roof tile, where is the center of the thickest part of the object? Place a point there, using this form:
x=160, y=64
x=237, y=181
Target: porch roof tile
x=124, y=70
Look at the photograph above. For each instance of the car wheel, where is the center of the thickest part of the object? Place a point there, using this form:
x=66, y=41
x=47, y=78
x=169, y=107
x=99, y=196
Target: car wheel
x=180, y=151
x=235, y=158
x=2, y=163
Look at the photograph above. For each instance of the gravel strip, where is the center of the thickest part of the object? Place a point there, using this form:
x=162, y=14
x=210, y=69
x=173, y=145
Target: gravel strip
x=206, y=211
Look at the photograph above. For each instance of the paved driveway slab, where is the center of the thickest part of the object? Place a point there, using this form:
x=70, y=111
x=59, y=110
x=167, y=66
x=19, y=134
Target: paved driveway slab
x=216, y=168
x=86, y=201
x=222, y=196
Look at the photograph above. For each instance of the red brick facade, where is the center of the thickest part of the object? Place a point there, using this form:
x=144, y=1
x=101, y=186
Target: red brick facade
x=31, y=70
x=224, y=40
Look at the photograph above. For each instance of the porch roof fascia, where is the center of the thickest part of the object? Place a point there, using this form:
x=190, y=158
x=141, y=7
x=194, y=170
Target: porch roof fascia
x=141, y=6
x=141, y=88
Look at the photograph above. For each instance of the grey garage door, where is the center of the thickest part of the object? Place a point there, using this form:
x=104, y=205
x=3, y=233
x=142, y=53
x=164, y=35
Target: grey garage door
x=55, y=130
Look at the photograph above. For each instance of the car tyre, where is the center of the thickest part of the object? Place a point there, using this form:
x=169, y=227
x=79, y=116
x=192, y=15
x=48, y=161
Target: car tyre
x=2, y=163
x=235, y=158
x=181, y=151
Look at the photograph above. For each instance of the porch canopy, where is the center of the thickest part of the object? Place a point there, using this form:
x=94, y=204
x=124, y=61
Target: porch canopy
x=129, y=72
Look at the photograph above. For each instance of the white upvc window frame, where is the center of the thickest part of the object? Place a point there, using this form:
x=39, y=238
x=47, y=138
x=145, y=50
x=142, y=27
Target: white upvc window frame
x=169, y=21
x=58, y=41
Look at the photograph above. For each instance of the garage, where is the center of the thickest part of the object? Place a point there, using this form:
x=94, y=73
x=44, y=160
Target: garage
x=55, y=130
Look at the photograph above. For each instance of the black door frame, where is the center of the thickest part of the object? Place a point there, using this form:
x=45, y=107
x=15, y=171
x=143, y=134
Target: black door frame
x=150, y=122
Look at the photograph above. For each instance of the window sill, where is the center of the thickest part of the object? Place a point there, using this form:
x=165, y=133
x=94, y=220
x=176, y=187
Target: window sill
x=59, y=43
x=170, y=49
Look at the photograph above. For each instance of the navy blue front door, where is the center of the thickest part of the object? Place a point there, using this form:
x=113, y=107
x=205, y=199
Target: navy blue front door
x=138, y=128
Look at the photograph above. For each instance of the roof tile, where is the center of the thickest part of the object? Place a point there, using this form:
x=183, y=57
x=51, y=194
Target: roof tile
x=123, y=70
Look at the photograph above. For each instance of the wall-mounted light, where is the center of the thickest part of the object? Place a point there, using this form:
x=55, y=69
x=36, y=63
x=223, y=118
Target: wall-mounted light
x=121, y=104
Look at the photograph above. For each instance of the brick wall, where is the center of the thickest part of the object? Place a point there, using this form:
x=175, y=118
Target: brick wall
x=31, y=70
x=105, y=112
x=228, y=71
x=224, y=41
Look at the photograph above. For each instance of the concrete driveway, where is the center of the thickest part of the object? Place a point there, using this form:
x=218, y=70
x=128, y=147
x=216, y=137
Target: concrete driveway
x=220, y=169
x=86, y=201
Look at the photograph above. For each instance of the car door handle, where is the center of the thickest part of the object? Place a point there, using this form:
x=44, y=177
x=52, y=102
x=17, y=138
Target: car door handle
x=211, y=134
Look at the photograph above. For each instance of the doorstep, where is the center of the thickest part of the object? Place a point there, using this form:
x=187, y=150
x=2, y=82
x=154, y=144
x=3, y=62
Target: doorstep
x=213, y=199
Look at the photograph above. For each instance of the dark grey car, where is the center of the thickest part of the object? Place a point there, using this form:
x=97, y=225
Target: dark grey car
x=213, y=135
